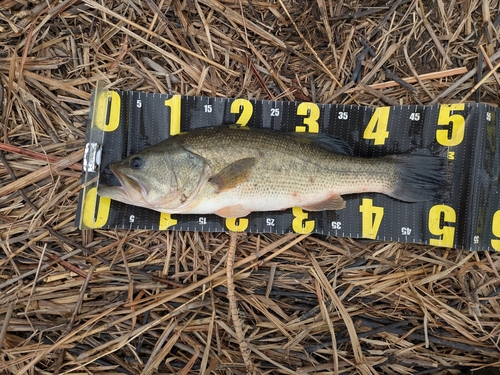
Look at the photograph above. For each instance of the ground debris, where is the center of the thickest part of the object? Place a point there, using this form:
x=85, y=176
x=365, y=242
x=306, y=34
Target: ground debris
x=148, y=302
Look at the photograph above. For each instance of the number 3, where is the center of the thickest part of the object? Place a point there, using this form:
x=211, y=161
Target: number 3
x=311, y=112
x=299, y=223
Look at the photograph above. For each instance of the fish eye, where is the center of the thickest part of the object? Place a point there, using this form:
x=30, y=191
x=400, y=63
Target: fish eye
x=136, y=162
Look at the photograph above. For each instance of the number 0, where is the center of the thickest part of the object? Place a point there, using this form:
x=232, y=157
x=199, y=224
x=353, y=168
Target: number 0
x=107, y=112
x=93, y=215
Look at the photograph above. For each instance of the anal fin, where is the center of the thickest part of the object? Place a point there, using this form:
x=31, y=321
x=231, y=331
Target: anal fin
x=333, y=202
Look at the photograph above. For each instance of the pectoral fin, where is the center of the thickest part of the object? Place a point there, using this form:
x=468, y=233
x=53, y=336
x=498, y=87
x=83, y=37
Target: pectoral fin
x=334, y=202
x=233, y=174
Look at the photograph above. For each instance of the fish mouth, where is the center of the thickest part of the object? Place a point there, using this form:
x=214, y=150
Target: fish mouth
x=130, y=190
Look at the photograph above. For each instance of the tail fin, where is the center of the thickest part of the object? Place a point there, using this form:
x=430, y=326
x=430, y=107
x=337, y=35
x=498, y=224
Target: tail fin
x=421, y=178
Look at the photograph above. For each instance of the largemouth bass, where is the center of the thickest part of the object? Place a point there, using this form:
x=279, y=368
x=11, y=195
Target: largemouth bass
x=233, y=171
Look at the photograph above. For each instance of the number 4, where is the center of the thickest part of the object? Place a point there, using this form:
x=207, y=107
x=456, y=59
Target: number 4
x=371, y=218
x=377, y=127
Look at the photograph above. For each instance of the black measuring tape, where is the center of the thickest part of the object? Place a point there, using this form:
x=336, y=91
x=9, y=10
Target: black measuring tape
x=123, y=123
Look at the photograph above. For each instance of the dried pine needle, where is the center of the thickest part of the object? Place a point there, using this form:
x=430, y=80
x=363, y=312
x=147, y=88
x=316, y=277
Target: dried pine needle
x=148, y=302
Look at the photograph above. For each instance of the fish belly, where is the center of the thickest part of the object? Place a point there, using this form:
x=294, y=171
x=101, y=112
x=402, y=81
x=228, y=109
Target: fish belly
x=251, y=203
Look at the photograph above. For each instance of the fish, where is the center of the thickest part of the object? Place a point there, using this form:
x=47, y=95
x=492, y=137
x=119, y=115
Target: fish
x=232, y=171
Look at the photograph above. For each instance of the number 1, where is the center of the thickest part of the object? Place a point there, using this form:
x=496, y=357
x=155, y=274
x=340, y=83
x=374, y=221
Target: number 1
x=175, y=114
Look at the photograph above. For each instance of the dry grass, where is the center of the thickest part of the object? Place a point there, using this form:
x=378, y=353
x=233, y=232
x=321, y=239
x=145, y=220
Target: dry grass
x=157, y=302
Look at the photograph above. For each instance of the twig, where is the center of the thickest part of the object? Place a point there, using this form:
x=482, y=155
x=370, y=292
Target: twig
x=6, y=321
x=439, y=46
x=490, y=65
x=233, y=304
x=462, y=80
x=387, y=100
x=478, y=85
x=42, y=173
x=259, y=78
x=45, y=266
x=422, y=77
x=325, y=68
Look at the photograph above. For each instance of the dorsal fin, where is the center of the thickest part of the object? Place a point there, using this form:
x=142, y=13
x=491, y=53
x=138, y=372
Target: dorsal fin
x=327, y=142
x=324, y=141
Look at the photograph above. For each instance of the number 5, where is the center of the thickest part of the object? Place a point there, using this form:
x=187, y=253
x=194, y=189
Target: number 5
x=455, y=121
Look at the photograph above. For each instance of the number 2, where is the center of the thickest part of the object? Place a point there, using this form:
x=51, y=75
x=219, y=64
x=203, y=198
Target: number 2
x=245, y=108
x=237, y=224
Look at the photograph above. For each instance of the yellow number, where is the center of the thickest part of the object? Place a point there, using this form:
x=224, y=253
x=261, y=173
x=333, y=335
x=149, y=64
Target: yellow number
x=299, y=223
x=89, y=217
x=377, y=126
x=446, y=233
x=455, y=121
x=245, y=108
x=371, y=218
x=236, y=224
x=175, y=114
x=107, y=112
x=166, y=221
x=311, y=112
x=495, y=229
